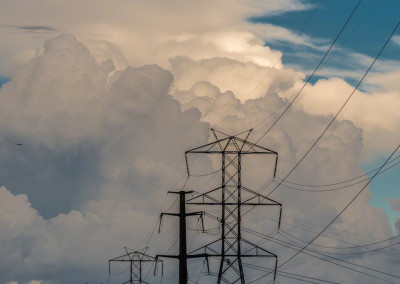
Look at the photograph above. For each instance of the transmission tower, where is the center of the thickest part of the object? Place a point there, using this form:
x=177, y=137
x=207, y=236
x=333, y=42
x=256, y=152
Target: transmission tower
x=231, y=196
x=136, y=260
x=183, y=256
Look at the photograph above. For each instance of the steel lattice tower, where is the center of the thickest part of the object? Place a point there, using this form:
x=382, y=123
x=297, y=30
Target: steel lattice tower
x=231, y=196
x=136, y=260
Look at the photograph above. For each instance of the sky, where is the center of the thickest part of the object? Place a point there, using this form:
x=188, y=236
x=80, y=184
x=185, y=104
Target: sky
x=105, y=99
x=363, y=34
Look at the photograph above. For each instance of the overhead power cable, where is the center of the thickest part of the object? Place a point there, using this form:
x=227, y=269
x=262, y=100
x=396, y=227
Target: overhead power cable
x=312, y=74
x=158, y=220
x=320, y=185
x=320, y=255
x=343, y=210
x=339, y=111
x=271, y=68
x=333, y=260
x=260, y=268
x=350, y=247
x=347, y=253
x=348, y=180
x=333, y=189
x=371, y=9
x=325, y=235
x=152, y=232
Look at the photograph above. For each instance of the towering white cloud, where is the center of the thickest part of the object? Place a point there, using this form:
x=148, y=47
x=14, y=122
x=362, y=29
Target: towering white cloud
x=147, y=32
x=127, y=127
x=64, y=101
x=104, y=134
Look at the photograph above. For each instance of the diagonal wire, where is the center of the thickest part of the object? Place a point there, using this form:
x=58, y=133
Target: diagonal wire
x=340, y=110
x=312, y=74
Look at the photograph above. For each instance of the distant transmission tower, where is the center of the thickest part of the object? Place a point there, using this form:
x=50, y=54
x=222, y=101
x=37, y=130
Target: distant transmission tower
x=231, y=196
x=136, y=260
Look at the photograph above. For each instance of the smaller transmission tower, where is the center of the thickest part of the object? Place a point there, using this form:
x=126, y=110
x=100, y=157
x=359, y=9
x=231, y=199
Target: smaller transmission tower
x=183, y=256
x=136, y=260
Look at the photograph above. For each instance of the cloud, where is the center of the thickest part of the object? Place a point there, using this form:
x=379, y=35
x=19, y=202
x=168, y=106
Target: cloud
x=104, y=146
x=374, y=109
x=35, y=28
x=154, y=44
x=395, y=204
x=223, y=110
x=272, y=34
x=96, y=142
x=246, y=80
x=396, y=40
x=224, y=33
x=103, y=141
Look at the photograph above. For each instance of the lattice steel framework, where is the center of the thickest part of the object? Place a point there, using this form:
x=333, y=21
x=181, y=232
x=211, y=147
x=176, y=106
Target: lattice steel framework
x=136, y=260
x=231, y=196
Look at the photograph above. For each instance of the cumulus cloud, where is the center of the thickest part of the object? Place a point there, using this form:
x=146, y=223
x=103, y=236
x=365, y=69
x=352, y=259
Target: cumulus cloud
x=246, y=80
x=104, y=141
x=164, y=27
x=373, y=112
x=67, y=103
x=336, y=155
x=125, y=133
x=396, y=40
x=395, y=204
x=224, y=33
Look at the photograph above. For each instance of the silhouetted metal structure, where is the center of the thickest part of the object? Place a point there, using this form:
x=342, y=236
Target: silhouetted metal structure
x=136, y=260
x=183, y=256
x=231, y=196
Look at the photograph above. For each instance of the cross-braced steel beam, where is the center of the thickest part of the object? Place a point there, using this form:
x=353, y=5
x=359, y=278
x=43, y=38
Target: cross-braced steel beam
x=136, y=261
x=231, y=196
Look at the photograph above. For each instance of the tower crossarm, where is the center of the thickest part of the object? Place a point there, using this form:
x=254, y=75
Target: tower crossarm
x=231, y=196
x=136, y=259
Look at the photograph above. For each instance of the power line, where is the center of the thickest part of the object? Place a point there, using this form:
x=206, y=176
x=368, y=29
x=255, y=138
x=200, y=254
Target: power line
x=372, y=8
x=271, y=68
x=344, y=209
x=312, y=74
x=310, y=77
x=155, y=226
x=340, y=110
x=321, y=255
x=232, y=196
x=260, y=268
x=350, y=247
x=351, y=253
x=319, y=234
x=312, y=230
x=348, y=180
x=291, y=246
x=336, y=188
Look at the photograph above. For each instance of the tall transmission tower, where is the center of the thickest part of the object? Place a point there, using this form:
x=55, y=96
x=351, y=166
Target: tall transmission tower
x=231, y=196
x=183, y=256
x=136, y=260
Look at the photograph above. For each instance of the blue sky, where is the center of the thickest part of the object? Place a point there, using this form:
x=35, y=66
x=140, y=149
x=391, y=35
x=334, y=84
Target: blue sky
x=3, y=80
x=369, y=28
x=384, y=187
